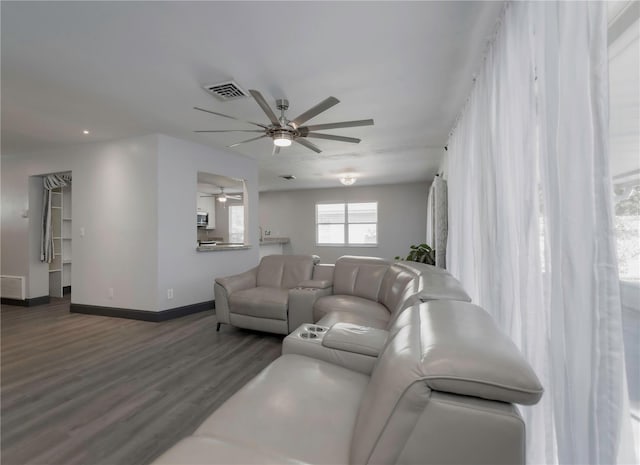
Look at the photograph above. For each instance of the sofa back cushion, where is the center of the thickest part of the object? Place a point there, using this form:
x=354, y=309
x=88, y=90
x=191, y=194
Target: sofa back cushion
x=447, y=347
x=359, y=276
x=436, y=283
x=397, y=286
x=284, y=271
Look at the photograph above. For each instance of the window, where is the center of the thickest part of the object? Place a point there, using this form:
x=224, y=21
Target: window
x=236, y=224
x=624, y=144
x=347, y=223
x=627, y=225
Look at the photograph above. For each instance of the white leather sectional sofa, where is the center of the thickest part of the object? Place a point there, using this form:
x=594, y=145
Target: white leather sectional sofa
x=285, y=291
x=441, y=391
x=434, y=383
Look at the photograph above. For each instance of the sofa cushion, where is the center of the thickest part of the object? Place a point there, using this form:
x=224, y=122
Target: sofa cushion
x=297, y=407
x=436, y=283
x=261, y=302
x=284, y=271
x=397, y=286
x=199, y=450
x=467, y=354
x=350, y=304
x=359, y=276
x=332, y=318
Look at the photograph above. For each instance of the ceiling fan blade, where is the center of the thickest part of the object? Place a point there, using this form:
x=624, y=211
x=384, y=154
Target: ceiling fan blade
x=317, y=135
x=257, y=96
x=233, y=130
x=230, y=117
x=315, y=111
x=308, y=144
x=343, y=124
x=245, y=141
x=276, y=150
x=234, y=197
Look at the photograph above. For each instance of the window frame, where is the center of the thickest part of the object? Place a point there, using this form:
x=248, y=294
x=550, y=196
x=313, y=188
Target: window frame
x=345, y=225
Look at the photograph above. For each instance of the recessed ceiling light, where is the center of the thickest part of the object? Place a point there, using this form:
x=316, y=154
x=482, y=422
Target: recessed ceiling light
x=86, y=132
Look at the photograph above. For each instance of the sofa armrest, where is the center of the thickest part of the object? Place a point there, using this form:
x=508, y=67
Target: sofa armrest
x=239, y=282
x=301, y=300
x=323, y=272
x=355, y=338
x=315, y=284
x=224, y=287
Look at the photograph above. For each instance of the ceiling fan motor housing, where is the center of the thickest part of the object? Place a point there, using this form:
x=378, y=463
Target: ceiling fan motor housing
x=282, y=104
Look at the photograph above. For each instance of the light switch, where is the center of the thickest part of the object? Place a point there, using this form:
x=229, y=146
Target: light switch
x=82, y=231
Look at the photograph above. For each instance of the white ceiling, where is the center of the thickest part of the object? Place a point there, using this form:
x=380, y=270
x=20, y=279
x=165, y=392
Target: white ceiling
x=211, y=183
x=122, y=69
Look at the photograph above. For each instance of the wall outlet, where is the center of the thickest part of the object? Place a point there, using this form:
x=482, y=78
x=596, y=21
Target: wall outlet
x=110, y=293
x=170, y=293
x=82, y=232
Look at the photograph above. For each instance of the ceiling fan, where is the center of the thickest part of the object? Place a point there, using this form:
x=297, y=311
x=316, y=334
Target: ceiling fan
x=284, y=131
x=222, y=196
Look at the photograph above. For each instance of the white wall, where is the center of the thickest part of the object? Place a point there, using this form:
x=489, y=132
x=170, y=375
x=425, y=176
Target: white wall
x=136, y=200
x=180, y=267
x=114, y=200
x=402, y=215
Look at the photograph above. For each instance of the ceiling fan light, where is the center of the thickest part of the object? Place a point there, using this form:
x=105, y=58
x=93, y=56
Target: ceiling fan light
x=282, y=139
x=222, y=199
x=347, y=180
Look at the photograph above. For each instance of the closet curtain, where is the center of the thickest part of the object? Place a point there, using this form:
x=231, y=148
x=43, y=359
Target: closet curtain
x=51, y=181
x=437, y=220
x=531, y=222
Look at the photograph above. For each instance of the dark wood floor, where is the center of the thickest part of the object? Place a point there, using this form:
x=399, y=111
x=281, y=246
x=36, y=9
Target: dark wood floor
x=82, y=389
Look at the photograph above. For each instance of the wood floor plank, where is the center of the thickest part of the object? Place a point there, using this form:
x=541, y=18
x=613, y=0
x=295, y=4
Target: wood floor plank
x=84, y=389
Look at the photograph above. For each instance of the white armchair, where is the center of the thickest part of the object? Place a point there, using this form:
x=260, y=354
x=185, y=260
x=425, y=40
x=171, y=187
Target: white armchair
x=259, y=298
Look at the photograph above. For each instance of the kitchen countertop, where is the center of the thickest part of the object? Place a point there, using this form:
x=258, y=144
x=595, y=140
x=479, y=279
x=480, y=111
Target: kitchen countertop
x=222, y=247
x=274, y=240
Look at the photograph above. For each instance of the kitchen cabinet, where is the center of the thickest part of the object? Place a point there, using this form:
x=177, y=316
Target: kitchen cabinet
x=207, y=203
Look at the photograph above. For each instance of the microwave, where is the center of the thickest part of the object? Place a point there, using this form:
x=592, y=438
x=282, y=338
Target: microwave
x=203, y=219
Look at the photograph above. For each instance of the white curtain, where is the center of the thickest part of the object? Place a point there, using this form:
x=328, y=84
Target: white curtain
x=437, y=220
x=50, y=182
x=531, y=222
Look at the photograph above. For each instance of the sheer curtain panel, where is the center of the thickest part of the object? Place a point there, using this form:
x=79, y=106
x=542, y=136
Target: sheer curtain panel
x=50, y=182
x=531, y=221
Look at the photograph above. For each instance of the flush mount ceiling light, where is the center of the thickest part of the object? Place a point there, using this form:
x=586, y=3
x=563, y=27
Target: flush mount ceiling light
x=86, y=132
x=347, y=180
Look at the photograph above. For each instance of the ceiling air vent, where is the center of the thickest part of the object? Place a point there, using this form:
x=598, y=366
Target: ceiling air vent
x=225, y=90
